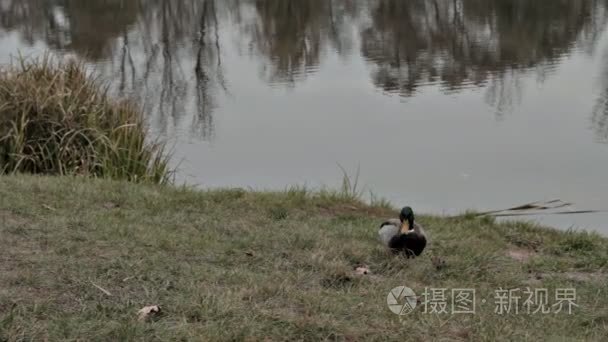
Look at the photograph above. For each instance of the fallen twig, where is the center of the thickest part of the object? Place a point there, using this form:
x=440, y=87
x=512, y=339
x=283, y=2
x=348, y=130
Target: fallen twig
x=48, y=207
x=102, y=289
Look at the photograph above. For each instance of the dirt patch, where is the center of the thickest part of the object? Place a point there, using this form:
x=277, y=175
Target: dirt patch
x=582, y=277
x=520, y=254
x=460, y=333
x=535, y=279
x=10, y=219
x=111, y=205
x=438, y=262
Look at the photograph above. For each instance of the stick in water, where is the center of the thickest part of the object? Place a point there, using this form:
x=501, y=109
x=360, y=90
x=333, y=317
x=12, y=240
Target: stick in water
x=520, y=210
x=529, y=206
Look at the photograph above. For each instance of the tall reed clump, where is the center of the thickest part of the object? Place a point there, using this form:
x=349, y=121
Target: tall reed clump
x=56, y=119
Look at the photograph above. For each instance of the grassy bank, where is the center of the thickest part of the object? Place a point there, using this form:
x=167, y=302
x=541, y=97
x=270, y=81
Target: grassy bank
x=57, y=119
x=79, y=258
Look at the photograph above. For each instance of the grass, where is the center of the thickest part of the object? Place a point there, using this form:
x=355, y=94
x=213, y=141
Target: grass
x=56, y=119
x=239, y=265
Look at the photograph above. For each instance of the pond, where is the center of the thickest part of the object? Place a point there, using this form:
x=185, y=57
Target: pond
x=442, y=105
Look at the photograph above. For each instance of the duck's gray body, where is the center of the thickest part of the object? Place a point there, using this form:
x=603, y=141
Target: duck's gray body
x=412, y=242
x=388, y=230
x=391, y=228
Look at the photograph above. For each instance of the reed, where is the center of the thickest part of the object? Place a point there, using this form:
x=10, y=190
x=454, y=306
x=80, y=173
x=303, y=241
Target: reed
x=58, y=119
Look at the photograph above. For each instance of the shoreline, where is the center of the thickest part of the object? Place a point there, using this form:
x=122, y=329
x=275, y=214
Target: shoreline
x=215, y=259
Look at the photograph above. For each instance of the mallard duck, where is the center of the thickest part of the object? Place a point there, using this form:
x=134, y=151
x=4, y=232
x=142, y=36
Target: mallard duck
x=403, y=235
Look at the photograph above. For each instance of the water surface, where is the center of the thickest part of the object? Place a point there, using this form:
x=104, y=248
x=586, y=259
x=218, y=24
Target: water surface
x=443, y=105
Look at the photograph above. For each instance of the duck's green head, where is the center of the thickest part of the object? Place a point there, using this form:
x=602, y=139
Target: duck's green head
x=407, y=214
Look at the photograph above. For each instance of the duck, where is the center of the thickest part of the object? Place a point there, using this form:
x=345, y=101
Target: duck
x=403, y=235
